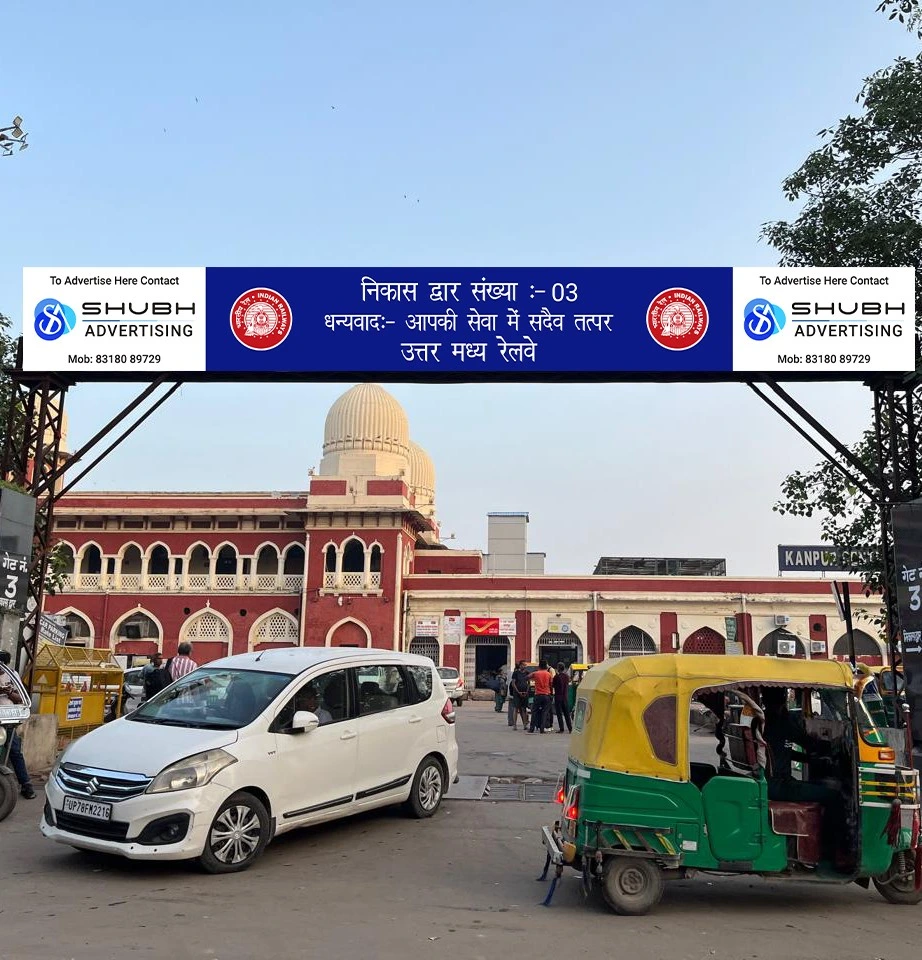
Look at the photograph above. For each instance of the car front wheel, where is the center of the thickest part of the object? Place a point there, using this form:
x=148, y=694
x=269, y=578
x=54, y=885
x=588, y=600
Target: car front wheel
x=237, y=836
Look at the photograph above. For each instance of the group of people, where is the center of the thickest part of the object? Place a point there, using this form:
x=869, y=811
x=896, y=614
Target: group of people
x=551, y=696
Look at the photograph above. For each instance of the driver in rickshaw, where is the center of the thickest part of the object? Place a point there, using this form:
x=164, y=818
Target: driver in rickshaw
x=782, y=729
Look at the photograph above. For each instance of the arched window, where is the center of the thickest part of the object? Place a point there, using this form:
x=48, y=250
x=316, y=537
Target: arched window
x=631, y=642
x=276, y=627
x=91, y=566
x=64, y=553
x=293, y=568
x=353, y=556
x=226, y=568
x=159, y=562
x=782, y=643
x=130, y=567
x=199, y=575
x=705, y=640
x=78, y=629
x=375, y=566
x=329, y=561
x=267, y=567
x=138, y=626
x=209, y=634
x=866, y=647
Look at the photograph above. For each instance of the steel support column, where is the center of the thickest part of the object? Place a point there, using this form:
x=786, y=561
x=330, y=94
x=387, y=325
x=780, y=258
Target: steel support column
x=31, y=452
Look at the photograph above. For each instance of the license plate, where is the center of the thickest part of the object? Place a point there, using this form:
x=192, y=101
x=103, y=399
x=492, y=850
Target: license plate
x=88, y=808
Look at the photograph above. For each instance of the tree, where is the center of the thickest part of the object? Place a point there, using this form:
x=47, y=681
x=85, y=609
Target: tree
x=862, y=206
x=7, y=359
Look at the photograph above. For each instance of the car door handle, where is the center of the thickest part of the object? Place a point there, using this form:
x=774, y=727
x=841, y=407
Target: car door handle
x=415, y=720
x=348, y=735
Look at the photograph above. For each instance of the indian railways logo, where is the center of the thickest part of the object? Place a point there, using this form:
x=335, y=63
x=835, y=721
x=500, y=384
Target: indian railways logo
x=53, y=319
x=677, y=319
x=260, y=318
x=762, y=319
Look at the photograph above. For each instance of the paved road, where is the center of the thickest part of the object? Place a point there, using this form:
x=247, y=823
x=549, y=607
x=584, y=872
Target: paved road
x=459, y=885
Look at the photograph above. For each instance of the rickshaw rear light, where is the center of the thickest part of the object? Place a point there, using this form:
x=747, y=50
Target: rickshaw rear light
x=560, y=796
x=886, y=753
x=573, y=809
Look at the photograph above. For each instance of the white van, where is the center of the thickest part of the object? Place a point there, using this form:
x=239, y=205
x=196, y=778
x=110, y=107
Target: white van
x=251, y=746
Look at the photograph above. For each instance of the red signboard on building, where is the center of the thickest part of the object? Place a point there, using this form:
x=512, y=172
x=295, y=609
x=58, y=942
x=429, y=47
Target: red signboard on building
x=481, y=626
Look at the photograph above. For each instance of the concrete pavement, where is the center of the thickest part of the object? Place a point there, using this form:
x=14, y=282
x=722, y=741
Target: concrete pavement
x=461, y=884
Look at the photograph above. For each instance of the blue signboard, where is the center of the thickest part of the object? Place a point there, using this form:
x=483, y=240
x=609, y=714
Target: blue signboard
x=465, y=321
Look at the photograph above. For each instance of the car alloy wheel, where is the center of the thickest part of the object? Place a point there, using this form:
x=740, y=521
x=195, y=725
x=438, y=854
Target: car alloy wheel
x=235, y=835
x=430, y=787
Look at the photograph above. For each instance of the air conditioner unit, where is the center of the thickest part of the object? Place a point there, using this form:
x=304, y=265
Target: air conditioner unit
x=781, y=620
x=817, y=646
x=787, y=648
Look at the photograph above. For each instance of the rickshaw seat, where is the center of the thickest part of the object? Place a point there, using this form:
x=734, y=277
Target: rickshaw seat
x=801, y=820
x=742, y=745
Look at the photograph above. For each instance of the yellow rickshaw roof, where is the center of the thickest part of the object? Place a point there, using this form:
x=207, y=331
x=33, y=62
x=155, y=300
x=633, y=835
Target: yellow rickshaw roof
x=696, y=671
x=621, y=702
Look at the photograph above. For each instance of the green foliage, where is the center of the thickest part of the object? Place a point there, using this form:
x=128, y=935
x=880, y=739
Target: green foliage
x=861, y=195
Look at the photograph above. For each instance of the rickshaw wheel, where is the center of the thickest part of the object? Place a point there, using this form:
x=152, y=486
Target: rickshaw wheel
x=632, y=887
x=900, y=891
x=9, y=794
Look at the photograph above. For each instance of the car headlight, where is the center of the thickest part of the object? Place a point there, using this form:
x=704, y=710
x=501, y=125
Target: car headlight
x=58, y=762
x=194, y=771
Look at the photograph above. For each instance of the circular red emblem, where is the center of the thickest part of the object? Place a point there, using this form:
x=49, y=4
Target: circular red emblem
x=260, y=318
x=677, y=319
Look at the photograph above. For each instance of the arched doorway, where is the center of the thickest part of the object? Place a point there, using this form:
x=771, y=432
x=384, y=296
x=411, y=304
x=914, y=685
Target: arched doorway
x=631, y=642
x=274, y=629
x=557, y=648
x=349, y=633
x=705, y=640
x=426, y=647
x=867, y=649
x=780, y=643
x=483, y=656
x=210, y=635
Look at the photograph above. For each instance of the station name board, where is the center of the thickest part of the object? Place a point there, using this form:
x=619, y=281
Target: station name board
x=429, y=322
x=817, y=559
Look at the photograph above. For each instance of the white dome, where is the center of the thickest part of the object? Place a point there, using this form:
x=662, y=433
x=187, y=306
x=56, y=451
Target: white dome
x=366, y=417
x=422, y=472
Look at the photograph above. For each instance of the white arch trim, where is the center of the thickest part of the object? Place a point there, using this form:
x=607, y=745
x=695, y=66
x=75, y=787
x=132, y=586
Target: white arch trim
x=184, y=629
x=157, y=543
x=113, y=633
x=83, y=616
x=86, y=546
x=251, y=639
x=191, y=549
x=339, y=623
x=123, y=549
x=263, y=545
x=226, y=543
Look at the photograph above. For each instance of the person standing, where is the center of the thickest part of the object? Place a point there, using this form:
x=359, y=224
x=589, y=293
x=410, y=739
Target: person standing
x=539, y=711
x=182, y=663
x=562, y=698
x=500, y=698
x=10, y=693
x=518, y=690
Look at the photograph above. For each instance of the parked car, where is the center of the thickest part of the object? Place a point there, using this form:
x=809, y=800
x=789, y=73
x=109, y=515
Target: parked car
x=454, y=684
x=251, y=746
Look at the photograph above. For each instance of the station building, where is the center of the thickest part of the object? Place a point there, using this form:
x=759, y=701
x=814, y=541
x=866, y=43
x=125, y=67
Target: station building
x=357, y=559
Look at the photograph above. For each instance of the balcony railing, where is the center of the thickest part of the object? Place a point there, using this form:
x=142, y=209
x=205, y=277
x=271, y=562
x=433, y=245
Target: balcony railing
x=178, y=583
x=357, y=582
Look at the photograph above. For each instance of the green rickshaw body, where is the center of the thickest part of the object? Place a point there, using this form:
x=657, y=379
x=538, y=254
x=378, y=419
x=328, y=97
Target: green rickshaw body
x=633, y=800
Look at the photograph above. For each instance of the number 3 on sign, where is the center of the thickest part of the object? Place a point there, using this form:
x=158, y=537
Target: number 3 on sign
x=11, y=584
x=915, y=601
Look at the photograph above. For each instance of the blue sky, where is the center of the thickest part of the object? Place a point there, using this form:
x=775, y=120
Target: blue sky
x=532, y=133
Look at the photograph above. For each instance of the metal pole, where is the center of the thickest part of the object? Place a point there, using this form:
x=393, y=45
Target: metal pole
x=849, y=625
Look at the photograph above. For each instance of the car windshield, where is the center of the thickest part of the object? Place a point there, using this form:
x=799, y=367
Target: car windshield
x=213, y=699
x=448, y=673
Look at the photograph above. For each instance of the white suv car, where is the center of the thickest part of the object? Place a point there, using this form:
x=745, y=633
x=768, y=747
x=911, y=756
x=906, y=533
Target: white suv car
x=251, y=746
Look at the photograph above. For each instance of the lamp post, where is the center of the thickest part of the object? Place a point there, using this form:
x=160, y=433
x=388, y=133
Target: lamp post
x=11, y=136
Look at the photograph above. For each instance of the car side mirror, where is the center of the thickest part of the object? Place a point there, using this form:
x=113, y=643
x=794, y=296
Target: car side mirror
x=304, y=721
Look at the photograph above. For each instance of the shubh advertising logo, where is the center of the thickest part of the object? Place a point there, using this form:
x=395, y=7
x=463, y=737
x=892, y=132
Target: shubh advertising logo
x=763, y=319
x=53, y=319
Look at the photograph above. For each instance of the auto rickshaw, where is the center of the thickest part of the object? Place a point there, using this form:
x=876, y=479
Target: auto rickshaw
x=577, y=671
x=644, y=802
x=15, y=708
